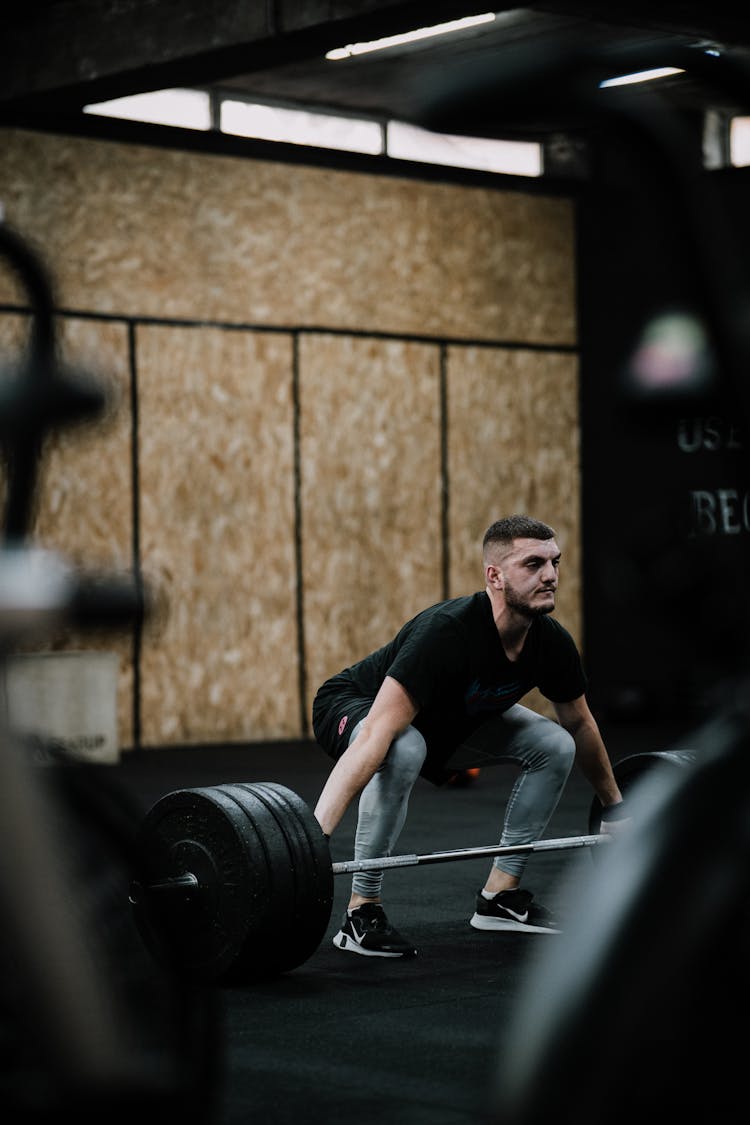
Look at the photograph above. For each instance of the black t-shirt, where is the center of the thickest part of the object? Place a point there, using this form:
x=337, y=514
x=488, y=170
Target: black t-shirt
x=451, y=661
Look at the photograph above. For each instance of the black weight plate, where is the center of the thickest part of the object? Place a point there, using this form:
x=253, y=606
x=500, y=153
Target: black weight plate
x=309, y=847
x=266, y=950
x=630, y=770
x=305, y=915
x=203, y=932
x=314, y=850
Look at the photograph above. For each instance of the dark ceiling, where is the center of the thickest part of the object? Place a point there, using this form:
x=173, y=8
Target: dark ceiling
x=399, y=82
x=58, y=55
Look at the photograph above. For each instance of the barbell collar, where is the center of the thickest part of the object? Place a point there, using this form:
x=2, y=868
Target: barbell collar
x=185, y=882
x=351, y=866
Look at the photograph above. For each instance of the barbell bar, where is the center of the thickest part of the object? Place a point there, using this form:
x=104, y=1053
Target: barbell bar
x=351, y=866
x=190, y=882
x=235, y=881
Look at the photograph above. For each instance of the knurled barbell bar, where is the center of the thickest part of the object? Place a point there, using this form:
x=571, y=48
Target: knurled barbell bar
x=236, y=880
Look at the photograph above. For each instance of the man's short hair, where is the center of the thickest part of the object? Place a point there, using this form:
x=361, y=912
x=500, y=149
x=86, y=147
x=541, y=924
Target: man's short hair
x=516, y=527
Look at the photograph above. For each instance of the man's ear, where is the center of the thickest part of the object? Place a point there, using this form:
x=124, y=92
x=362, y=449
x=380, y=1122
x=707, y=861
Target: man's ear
x=494, y=576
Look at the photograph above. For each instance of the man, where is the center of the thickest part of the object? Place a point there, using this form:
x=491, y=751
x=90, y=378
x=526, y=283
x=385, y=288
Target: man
x=442, y=696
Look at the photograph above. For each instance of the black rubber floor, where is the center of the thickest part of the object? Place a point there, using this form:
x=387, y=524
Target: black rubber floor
x=344, y=1038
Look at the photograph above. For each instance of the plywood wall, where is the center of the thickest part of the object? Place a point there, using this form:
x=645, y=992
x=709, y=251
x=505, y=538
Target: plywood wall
x=328, y=383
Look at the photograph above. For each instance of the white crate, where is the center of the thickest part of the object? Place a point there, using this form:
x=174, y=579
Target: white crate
x=68, y=697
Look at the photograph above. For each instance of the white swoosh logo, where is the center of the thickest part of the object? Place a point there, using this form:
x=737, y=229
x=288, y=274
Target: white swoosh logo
x=518, y=917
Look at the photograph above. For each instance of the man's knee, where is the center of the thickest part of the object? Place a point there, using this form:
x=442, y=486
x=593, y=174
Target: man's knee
x=405, y=757
x=557, y=744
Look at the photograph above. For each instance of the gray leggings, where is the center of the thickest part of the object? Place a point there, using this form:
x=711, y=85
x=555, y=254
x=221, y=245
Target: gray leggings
x=542, y=749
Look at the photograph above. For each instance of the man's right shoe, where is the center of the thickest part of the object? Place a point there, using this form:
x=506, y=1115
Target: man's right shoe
x=366, y=930
x=513, y=910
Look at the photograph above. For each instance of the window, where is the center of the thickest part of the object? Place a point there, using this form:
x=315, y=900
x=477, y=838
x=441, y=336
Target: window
x=520, y=158
x=187, y=109
x=300, y=127
x=739, y=141
x=191, y=109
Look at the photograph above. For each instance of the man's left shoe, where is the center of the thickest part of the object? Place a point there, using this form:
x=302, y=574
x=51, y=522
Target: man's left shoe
x=513, y=910
x=366, y=930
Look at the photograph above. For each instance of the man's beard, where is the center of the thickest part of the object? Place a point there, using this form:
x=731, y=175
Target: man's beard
x=515, y=602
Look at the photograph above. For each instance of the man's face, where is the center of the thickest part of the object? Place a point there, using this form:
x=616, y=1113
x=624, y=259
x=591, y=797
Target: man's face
x=529, y=575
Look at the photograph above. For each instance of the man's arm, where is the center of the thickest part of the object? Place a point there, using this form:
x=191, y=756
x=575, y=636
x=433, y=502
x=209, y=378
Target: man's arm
x=392, y=711
x=591, y=754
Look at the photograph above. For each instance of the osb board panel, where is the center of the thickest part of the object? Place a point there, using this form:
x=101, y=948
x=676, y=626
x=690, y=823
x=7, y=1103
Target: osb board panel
x=217, y=535
x=14, y=336
x=513, y=446
x=370, y=453
x=83, y=507
x=160, y=233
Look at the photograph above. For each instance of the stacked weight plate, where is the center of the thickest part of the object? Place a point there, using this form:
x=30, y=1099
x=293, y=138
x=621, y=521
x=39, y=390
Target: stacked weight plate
x=263, y=889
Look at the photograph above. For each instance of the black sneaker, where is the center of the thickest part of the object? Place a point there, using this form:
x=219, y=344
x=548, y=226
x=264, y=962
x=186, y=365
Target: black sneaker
x=366, y=930
x=513, y=910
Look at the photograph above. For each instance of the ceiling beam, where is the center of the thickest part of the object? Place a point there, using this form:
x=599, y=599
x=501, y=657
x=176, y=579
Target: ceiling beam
x=61, y=54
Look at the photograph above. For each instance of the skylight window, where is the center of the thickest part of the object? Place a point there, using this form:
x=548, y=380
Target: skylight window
x=518, y=158
x=739, y=141
x=301, y=127
x=192, y=109
x=188, y=109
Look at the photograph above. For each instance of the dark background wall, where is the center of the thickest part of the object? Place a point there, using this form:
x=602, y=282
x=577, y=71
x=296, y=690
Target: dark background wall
x=665, y=516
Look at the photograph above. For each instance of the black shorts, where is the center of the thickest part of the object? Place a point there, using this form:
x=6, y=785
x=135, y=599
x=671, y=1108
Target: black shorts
x=336, y=710
x=335, y=713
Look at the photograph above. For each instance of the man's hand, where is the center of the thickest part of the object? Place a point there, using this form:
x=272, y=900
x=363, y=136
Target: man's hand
x=614, y=819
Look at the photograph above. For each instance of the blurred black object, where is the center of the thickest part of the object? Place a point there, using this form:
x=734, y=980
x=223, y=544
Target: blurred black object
x=635, y=1012
x=39, y=394
x=89, y=1026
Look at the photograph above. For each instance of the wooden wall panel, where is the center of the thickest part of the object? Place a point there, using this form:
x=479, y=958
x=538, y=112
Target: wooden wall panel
x=370, y=452
x=513, y=446
x=196, y=254
x=86, y=485
x=140, y=232
x=217, y=534
x=84, y=495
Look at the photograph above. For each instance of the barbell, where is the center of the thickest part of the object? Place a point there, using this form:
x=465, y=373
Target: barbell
x=236, y=880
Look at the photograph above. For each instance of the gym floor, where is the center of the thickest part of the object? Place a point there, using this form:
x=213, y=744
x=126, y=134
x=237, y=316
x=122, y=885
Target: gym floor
x=343, y=1037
